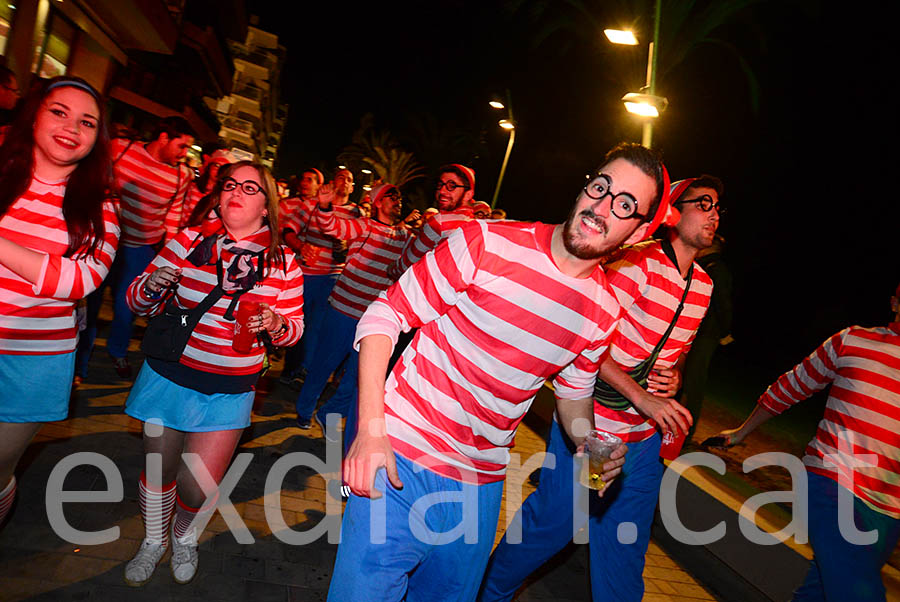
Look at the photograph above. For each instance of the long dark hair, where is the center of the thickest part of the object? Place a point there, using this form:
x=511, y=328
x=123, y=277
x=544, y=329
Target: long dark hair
x=88, y=185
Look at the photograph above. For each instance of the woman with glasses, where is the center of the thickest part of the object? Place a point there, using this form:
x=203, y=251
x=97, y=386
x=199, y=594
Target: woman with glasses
x=200, y=403
x=58, y=238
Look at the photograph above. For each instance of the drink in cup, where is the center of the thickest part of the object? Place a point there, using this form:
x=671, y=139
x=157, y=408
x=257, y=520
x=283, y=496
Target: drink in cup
x=598, y=446
x=671, y=445
x=243, y=338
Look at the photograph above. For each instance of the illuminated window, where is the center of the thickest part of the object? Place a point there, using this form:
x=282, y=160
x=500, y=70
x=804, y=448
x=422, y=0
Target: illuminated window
x=7, y=10
x=52, y=54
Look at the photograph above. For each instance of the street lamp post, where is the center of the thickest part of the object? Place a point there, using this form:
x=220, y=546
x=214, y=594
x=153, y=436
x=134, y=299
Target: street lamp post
x=510, y=125
x=646, y=104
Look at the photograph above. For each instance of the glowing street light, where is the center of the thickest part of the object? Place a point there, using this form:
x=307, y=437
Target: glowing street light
x=621, y=36
x=645, y=105
x=509, y=125
x=368, y=172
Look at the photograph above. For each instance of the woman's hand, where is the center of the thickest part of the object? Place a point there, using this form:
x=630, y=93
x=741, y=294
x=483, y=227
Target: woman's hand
x=266, y=319
x=162, y=279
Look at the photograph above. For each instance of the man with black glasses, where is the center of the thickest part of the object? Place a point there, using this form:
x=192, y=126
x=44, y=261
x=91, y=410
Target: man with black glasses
x=500, y=307
x=453, y=196
x=664, y=295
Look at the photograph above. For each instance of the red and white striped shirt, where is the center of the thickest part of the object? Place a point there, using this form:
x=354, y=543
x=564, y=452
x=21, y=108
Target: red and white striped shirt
x=303, y=221
x=209, y=348
x=152, y=194
x=496, y=318
x=39, y=319
x=862, y=414
x=437, y=228
x=191, y=199
x=373, y=248
x=649, y=287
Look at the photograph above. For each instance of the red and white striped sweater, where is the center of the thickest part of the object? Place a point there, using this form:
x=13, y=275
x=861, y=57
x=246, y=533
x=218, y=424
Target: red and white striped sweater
x=147, y=187
x=496, y=318
x=209, y=348
x=862, y=414
x=301, y=219
x=39, y=319
x=649, y=287
x=437, y=228
x=373, y=248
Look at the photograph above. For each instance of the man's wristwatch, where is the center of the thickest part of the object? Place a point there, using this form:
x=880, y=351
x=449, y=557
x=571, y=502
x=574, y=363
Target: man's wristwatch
x=281, y=330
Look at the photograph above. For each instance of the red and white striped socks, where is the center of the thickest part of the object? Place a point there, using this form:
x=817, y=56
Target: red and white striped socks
x=156, y=509
x=7, y=497
x=185, y=514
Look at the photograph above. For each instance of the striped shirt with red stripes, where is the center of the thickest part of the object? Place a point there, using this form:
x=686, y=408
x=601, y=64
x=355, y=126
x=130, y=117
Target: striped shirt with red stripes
x=152, y=194
x=302, y=221
x=39, y=319
x=209, y=348
x=373, y=248
x=496, y=318
x=649, y=287
x=862, y=414
x=437, y=228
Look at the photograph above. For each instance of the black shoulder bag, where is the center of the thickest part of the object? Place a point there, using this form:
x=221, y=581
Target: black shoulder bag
x=612, y=399
x=168, y=333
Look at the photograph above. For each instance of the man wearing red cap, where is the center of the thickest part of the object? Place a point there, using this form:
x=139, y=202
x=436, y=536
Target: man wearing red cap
x=664, y=295
x=481, y=210
x=500, y=307
x=321, y=256
x=852, y=463
x=375, y=243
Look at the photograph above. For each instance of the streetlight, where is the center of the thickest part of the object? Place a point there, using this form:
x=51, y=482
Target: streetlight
x=509, y=125
x=646, y=103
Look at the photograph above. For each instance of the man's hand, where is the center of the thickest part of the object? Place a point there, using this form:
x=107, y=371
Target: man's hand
x=326, y=196
x=668, y=414
x=664, y=382
x=412, y=217
x=366, y=455
x=612, y=468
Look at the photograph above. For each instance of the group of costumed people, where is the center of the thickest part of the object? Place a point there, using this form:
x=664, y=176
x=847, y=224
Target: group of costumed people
x=59, y=233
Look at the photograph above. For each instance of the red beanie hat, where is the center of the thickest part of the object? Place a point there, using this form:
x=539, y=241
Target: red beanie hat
x=467, y=173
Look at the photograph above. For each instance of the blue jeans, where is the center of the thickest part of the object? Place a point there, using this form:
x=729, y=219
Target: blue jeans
x=334, y=346
x=316, y=290
x=550, y=519
x=411, y=544
x=842, y=571
x=134, y=260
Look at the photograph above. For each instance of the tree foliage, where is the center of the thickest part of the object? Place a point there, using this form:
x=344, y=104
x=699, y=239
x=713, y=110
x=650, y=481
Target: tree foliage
x=379, y=150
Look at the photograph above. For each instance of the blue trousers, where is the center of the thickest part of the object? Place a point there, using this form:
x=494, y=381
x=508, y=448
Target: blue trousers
x=335, y=344
x=427, y=541
x=618, y=524
x=842, y=571
x=316, y=290
x=134, y=260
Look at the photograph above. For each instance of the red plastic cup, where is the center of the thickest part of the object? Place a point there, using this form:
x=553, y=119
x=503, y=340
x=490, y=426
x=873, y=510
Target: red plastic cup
x=671, y=445
x=243, y=338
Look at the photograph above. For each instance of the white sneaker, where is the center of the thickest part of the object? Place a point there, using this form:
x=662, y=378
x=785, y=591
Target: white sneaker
x=184, y=557
x=141, y=567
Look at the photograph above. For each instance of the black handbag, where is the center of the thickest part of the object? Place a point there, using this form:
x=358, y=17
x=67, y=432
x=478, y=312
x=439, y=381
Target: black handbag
x=168, y=333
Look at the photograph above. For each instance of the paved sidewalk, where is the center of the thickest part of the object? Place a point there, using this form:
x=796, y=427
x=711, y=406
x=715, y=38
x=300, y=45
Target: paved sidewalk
x=37, y=564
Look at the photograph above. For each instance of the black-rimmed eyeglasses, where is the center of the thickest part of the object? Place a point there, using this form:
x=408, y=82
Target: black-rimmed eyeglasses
x=451, y=186
x=705, y=203
x=624, y=205
x=248, y=187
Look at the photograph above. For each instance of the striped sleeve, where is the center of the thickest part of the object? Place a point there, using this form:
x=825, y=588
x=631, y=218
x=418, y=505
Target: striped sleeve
x=426, y=291
x=175, y=215
x=340, y=227
x=170, y=256
x=417, y=246
x=289, y=303
x=809, y=376
x=72, y=278
x=577, y=380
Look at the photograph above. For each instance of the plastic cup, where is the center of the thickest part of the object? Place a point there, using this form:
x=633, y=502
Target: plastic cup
x=243, y=339
x=598, y=447
x=671, y=445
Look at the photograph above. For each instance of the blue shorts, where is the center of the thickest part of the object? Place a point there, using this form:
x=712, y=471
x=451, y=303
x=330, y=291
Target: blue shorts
x=428, y=541
x=35, y=388
x=154, y=398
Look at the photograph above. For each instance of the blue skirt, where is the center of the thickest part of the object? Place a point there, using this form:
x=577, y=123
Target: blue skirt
x=158, y=400
x=35, y=388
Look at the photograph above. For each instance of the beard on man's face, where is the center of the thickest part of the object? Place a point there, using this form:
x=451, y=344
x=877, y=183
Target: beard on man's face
x=574, y=241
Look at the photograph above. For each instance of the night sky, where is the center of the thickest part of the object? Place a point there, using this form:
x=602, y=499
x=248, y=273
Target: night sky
x=810, y=175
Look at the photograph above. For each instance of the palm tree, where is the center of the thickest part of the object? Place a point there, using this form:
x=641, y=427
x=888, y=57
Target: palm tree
x=683, y=27
x=379, y=151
